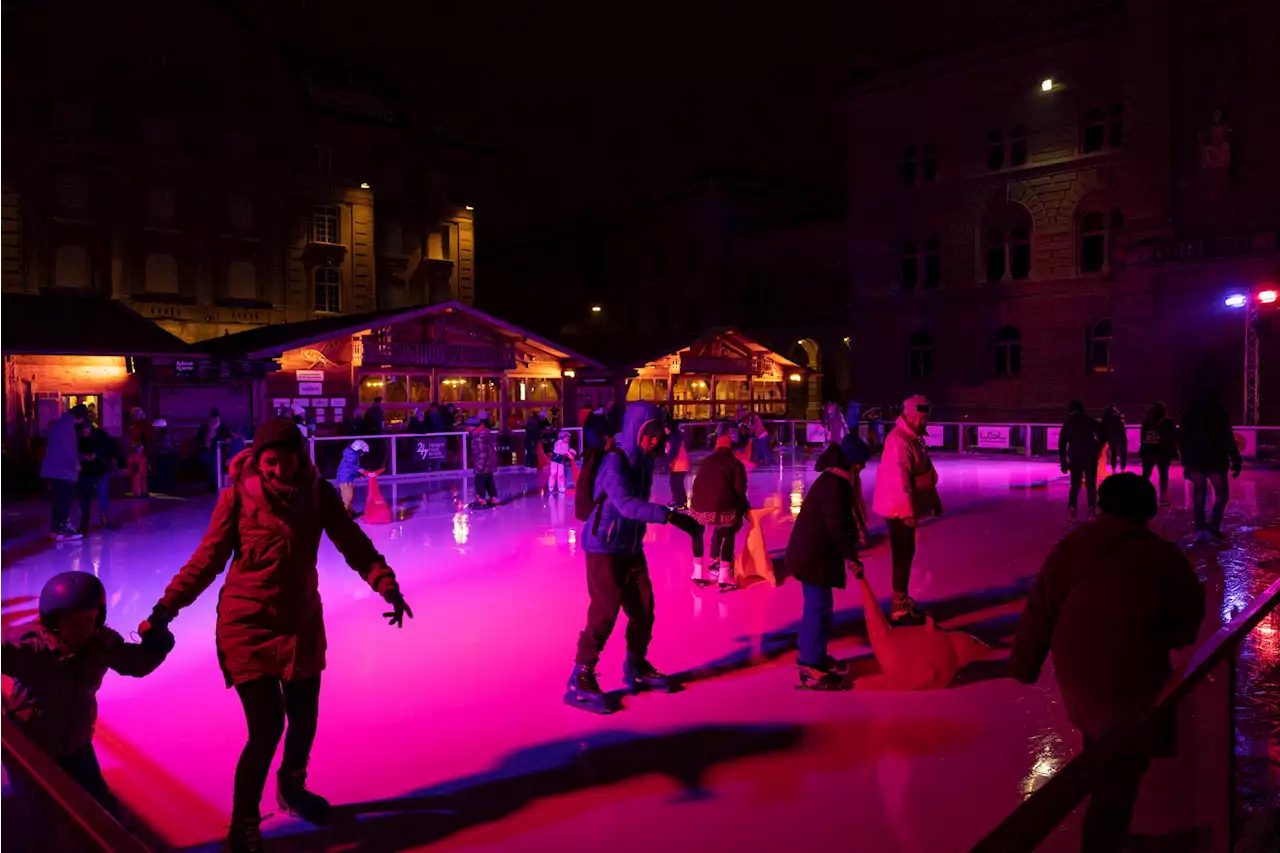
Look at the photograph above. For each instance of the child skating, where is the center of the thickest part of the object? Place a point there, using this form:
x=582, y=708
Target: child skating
x=350, y=470
x=719, y=503
x=484, y=462
x=57, y=664
x=562, y=458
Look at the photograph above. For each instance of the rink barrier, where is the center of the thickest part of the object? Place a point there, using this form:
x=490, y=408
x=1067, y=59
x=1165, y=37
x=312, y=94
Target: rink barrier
x=1043, y=811
x=42, y=784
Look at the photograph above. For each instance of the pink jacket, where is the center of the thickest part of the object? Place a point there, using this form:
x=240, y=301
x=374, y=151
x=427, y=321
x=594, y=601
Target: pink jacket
x=906, y=482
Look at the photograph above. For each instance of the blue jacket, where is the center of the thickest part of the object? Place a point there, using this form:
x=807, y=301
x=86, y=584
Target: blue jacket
x=61, y=455
x=349, y=467
x=623, y=487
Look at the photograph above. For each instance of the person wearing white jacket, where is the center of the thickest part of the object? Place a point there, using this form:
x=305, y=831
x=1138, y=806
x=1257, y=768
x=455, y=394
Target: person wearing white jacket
x=906, y=491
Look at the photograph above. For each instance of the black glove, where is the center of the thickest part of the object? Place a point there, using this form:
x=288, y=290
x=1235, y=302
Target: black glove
x=158, y=621
x=687, y=523
x=159, y=638
x=1064, y=468
x=400, y=609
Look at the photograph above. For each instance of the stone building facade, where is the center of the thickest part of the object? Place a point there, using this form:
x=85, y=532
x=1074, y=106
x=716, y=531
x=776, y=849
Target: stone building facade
x=180, y=160
x=1061, y=217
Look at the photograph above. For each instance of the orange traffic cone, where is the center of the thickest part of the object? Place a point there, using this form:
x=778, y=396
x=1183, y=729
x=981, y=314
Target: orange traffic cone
x=376, y=510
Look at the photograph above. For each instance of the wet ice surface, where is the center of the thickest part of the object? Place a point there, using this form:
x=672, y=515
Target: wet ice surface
x=451, y=733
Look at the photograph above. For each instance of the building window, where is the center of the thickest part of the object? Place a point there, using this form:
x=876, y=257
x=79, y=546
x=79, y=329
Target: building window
x=932, y=262
x=920, y=356
x=242, y=280
x=1100, y=346
x=160, y=207
x=161, y=274
x=71, y=267
x=240, y=214
x=1097, y=236
x=328, y=290
x=392, y=238
x=1020, y=248
x=440, y=243
x=1115, y=129
x=929, y=171
x=1018, y=145
x=995, y=251
x=325, y=228
x=910, y=266
x=71, y=194
x=995, y=150
x=909, y=166
x=324, y=159
x=1095, y=130
x=1008, y=352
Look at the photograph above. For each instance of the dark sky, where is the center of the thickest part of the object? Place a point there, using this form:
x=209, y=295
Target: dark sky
x=594, y=105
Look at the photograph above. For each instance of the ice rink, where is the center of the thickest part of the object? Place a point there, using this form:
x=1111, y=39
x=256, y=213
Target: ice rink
x=451, y=734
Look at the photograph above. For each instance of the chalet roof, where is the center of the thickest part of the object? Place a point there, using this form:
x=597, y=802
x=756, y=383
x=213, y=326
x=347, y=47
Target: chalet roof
x=59, y=323
x=637, y=352
x=273, y=341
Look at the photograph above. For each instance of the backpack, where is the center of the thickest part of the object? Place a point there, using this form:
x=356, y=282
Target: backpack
x=584, y=501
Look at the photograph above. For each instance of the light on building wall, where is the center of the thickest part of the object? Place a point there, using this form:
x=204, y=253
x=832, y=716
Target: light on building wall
x=846, y=341
x=1046, y=85
x=795, y=377
x=469, y=207
x=569, y=374
x=596, y=309
x=1266, y=296
x=1235, y=300
x=364, y=185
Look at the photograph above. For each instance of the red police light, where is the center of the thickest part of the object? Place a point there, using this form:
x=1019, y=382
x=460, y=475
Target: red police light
x=1266, y=297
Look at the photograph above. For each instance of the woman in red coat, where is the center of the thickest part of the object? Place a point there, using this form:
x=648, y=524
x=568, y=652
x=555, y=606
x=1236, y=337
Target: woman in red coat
x=270, y=631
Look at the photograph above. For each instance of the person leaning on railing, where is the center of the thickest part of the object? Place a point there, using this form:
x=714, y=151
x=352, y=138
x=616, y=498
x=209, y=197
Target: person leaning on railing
x=1111, y=601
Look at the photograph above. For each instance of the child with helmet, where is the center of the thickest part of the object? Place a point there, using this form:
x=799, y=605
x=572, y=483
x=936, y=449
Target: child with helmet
x=562, y=457
x=57, y=663
x=349, y=470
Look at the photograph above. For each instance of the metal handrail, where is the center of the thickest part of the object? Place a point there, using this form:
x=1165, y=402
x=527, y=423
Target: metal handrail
x=1032, y=821
x=86, y=817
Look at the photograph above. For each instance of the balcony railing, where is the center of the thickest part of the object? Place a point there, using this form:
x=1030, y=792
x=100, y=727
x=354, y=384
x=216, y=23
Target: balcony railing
x=480, y=356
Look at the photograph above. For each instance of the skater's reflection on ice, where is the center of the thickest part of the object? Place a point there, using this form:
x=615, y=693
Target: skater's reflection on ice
x=461, y=528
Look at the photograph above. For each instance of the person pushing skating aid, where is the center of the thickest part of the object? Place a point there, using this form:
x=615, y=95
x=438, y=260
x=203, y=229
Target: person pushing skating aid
x=613, y=503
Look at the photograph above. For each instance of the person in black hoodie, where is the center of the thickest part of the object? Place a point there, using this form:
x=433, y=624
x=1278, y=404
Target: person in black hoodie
x=719, y=502
x=1116, y=438
x=99, y=455
x=1208, y=448
x=1079, y=443
x=823, y=547
x=1159, y=447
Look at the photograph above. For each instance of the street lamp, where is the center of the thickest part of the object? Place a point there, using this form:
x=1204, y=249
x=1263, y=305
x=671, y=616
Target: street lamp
x=596, y=309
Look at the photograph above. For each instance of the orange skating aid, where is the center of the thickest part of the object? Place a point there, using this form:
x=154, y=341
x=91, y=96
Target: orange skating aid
x=376, y=509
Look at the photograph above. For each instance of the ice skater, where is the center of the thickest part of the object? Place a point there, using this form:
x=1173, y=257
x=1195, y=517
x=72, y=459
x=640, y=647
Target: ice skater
x=822, y=550
x=99, y=457
x=678, y=466
x=484, y=462
x=1116, y=436
x=906, y=493
x=1208, y=448
x=270, y=631
x=349, y=471
x=562, y=459
x=1111, y=662
x=1159, y=447
x=1079, y=446
x=857, y=454
x=719, y=503
x=613, y=503
x=57, y=664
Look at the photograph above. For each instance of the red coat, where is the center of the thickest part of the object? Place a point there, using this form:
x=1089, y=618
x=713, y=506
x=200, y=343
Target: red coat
x=270, y=620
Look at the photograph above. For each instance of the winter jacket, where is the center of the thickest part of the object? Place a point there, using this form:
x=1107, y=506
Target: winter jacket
x=720, y=489
x=373, y=420
x=825, y=534
x=622, y=487
x=594, y=429
x=1113, y=429
x=1207, y=441
x=1110, y=602
x=61, y=455
x=1079, y=441
x=349, y=466
x=138, y=434
x=102, y=447
x=270, y=619
x=906, y=483
x=55, y=692
x=855, y=450
x=161, y=442
x=484, y=450
x=1159, y=440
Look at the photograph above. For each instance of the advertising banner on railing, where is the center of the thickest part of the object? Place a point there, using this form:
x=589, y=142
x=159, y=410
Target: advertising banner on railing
x=993, y=437
x=1051, y=439
x=1247, y=441
x=935, y=436
x=815, y=433
x=1133, y=436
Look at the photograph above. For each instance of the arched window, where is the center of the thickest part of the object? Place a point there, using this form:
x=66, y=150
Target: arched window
x=1093, y=242
x=1018, y=145
x=1095, y=130
x=932, y=262
x=909, y=166
x=920, y=356
x=1006, y=242
x=995, y=253
x=328, y=281
x=1008, y=352
x=910, y=265
x=1100, y=346
x=161, y=274
x=929, y=169
x=995, y=150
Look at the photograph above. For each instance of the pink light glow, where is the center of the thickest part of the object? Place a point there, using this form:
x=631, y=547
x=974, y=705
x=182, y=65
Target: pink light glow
x=1266, y=296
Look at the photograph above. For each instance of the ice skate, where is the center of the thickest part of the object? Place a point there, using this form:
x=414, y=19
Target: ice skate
x=1093, y=514
x=728, y=580
x=292, y=796
x=698, y=577
x=905, y=612
x=640, y=675
x=832, y=665
x=713, y=570
x=64, y=533
x=583, y=691
x=1071, y=516
x=245, y=834
x=823, y=680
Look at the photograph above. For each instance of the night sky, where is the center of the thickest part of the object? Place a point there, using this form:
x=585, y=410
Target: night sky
x=595, y=105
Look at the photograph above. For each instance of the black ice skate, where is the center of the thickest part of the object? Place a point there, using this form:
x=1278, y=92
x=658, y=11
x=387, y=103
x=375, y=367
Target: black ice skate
x=824, y=680
x=728, y=580
x=904, y=612
x=245, y=834
x=583, y=691
x=640, y=675
x=292, y=796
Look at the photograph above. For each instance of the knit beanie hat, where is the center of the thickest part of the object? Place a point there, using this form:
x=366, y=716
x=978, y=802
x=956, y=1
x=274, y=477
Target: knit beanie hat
x=277, y=431
x=1128, y=496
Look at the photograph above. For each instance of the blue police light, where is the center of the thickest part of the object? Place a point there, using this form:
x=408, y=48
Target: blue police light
x=1236, y=300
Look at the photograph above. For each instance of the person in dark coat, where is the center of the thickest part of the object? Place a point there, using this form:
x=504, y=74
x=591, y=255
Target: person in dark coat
x=823, y=547
x=595, y=429
x=270, y=630
x=532, y=435
x=61, y=467
x=484, y=461
x=99, y=456
x=1111, y=601
x=1079, y=443
x=1115, y=434
x=162, y=456
x=1159, y=447
x=1208, y=448
x=857, y=454
x=719, y=502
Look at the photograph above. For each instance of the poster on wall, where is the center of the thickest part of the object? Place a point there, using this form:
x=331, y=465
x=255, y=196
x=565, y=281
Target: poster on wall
x=935, y=436
x=319, y=415
x=338, y=402
x=309, y=375
x=280, y=402
x=815, y=433
x=993, y=437
x=301, y=401
x=311, y=389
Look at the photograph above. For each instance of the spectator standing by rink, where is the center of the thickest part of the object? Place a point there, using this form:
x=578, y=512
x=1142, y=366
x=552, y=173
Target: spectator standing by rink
x=1209, y=449
x=677, y=465
x=162, y=456
x=1115, y=434
x=139, y=435
x=1159, y=447
x=1112, y=661
x=1079, y=444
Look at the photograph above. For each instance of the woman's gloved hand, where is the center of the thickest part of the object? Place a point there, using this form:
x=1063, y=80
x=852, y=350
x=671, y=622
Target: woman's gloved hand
x=399, y=610
x=687, y=523
x=158, y=621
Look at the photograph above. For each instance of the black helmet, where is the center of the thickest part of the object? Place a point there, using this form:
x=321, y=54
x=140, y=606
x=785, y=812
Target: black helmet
x=72, y=591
